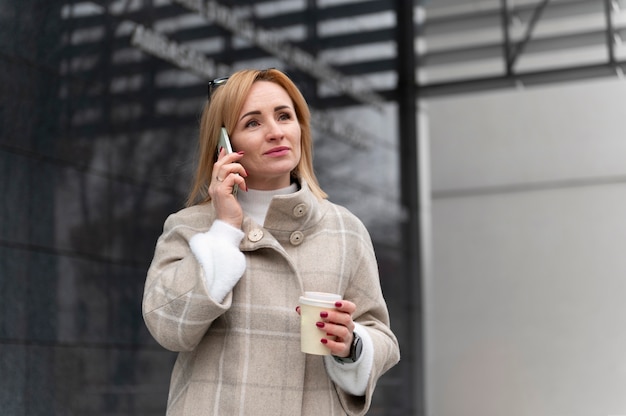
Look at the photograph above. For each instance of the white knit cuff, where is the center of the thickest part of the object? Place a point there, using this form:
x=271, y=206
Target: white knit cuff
x=223, y=264
x=353, y=377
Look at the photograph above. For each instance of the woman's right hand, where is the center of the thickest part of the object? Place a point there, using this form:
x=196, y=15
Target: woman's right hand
x=227, y=173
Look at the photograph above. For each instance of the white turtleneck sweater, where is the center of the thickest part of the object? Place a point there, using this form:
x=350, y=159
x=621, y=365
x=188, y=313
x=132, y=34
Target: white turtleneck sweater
x=255, y=203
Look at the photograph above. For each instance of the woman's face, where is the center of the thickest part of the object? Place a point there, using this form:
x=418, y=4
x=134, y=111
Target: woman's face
x=268, y=133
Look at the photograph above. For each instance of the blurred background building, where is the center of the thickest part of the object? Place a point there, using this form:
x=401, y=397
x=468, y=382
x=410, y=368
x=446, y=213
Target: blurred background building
x=480, y=141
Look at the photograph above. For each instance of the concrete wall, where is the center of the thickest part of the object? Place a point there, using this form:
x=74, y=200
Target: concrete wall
x=525, y=289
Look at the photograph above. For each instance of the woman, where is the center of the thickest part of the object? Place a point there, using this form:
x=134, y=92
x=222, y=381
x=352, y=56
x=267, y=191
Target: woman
x=228, y=270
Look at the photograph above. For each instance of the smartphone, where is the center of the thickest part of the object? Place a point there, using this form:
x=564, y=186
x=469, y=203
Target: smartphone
x=224, y=142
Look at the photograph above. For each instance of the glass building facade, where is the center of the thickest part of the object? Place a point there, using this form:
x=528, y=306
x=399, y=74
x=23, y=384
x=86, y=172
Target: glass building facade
x=97, y=142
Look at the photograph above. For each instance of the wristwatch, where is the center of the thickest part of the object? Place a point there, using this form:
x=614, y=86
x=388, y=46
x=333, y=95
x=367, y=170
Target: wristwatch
x=355, y=350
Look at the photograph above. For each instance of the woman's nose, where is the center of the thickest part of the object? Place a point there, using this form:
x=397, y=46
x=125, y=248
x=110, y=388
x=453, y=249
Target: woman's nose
x=274, y=131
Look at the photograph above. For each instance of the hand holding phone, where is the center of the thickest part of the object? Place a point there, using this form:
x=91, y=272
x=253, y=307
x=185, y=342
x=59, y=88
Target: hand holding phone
x=224, y=142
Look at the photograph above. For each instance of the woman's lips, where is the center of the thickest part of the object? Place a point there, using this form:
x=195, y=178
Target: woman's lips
x=277, y=151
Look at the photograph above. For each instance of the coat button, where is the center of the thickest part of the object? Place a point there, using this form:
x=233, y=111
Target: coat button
x=299, y=210
x=296, y=238
x=255, y=235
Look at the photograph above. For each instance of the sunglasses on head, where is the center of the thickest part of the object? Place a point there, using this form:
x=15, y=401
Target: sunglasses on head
x=213, y=85
x=218, y=82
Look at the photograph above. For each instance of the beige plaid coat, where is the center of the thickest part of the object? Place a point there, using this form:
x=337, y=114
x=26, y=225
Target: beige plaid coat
x=242, y=357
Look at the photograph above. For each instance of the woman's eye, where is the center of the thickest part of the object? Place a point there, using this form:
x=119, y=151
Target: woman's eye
x=252, y=123
x=284, y=116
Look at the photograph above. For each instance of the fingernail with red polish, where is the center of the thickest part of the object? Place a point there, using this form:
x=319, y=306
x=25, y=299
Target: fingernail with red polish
x=338, y=304
x=240, y=152
x=324, y=314
x=323, y=340
x=319, y=324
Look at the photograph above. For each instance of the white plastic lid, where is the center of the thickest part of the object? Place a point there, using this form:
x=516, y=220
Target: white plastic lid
x=320, y=299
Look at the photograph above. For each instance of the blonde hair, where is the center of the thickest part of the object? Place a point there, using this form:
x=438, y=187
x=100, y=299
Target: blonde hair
x=223, y=109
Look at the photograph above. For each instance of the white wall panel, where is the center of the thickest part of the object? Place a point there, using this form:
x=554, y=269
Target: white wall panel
x=525, y=300
x=562, y=132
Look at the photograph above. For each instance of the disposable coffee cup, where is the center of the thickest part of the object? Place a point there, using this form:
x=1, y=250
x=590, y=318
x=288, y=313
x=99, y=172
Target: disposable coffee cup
x=311, y=304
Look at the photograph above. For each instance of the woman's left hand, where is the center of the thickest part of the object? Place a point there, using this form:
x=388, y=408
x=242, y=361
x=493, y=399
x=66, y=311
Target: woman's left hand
x=338, y=322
